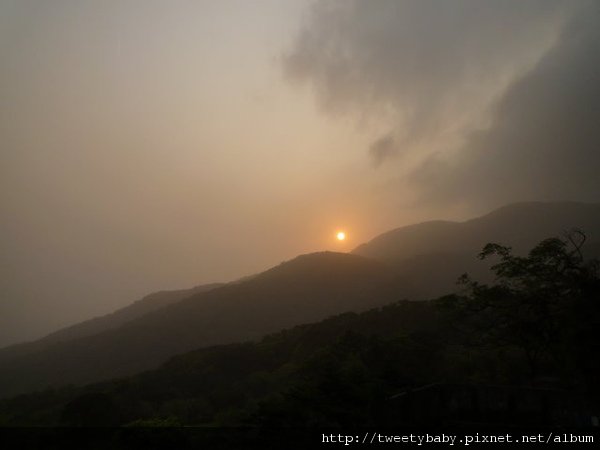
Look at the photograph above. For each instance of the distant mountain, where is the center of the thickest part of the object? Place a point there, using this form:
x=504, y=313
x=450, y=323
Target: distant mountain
x=306, y=289
x=519, y=225
x=414, y=262
x=197, y=386
x=432, y=255
x=137, y=309
x=148, y=304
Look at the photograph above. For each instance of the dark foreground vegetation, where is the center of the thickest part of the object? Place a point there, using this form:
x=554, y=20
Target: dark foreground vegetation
x=525, y=348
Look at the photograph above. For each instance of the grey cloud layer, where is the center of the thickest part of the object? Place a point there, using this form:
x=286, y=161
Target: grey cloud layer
x=545, y=139
x=517, y=82
x=383, y=148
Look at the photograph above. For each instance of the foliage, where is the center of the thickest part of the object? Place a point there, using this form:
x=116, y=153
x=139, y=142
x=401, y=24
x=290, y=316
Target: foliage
x=155, y=422
x=343, y=360
x=541, y=303
x=539, y=318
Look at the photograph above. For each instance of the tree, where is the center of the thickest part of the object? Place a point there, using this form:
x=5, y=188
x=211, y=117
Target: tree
x=91, y=409
x=540, y=303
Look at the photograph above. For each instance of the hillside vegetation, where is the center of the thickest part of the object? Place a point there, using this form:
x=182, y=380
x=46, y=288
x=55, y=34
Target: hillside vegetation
x=416, y=262
x=535, y=327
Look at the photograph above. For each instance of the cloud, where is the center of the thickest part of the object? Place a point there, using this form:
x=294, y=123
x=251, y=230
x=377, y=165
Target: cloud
x=544, y=140
x=383, y=148
x=489, y=101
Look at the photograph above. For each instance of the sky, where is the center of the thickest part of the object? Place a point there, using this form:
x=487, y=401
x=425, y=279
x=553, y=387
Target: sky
x=153, y=144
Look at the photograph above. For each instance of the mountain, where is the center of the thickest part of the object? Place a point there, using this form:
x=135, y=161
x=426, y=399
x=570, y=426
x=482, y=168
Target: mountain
x=305, y=289
x=198, y=386
x=407, y=363
x=434, y=254
x=137, y=309
x=520, y=225
x=414, y=262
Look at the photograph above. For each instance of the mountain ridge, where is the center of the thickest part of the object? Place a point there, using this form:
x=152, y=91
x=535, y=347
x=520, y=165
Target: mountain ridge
x=433, y=254
x=305, y=289
x=543, y=218
x=95, y=325
x=416, y=262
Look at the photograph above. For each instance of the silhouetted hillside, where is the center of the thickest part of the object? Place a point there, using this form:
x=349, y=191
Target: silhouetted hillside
x=519, y=225
x=148, y=304
x=416, y=262
x=434, y=254
x=306, y=289
x=137, y=309
x=522, y=351
x=202, y=385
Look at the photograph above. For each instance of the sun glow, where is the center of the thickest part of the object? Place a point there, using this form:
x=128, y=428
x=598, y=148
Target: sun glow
x=341, y=236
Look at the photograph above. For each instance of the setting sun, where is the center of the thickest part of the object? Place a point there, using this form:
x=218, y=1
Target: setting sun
x=341, y=236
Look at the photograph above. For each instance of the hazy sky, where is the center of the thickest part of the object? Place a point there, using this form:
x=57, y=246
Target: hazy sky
x=154, y=144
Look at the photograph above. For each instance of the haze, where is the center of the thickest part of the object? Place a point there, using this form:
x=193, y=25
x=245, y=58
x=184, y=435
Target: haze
x=152, y=145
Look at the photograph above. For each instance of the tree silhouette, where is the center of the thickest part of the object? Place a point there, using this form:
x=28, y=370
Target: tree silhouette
x=90, y=409
x=541, y=303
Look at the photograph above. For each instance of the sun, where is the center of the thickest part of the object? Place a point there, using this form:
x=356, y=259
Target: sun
x=341, y=236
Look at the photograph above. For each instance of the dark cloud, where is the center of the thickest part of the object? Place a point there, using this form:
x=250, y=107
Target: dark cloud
x=383, y=148
x=491, y=101
x=544, y=141
x=421, y=61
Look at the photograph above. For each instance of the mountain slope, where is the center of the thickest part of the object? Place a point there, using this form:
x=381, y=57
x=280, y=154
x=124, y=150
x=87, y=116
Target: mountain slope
x=148, y=304
x=415, y=262
x=139, y=308
x=196, y=385
x=303, y=290
x=432, y=255
x=520, y=225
